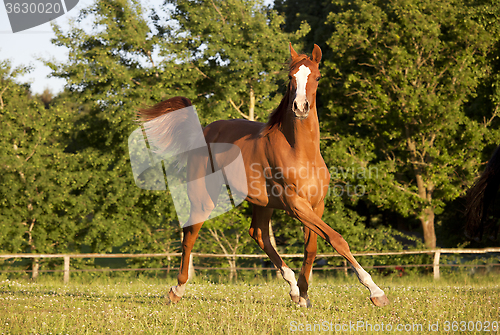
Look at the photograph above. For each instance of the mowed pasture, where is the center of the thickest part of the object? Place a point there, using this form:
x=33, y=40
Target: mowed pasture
x=461, y=303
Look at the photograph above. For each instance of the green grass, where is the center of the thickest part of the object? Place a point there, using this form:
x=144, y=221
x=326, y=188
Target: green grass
x=130, y=306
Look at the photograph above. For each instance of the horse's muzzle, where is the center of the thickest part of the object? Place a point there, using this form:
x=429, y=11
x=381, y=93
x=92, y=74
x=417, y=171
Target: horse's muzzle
x=300, y=110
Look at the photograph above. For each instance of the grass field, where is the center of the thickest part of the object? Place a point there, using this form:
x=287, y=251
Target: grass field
x=461, y=304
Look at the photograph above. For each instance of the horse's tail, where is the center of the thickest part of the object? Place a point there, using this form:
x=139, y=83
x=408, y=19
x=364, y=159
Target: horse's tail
x=169, y=132
x=164, y=107
x=481, y=195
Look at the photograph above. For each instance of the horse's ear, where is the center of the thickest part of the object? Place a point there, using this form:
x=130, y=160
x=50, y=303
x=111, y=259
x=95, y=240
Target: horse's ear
x=316, y=55
x=293, y=52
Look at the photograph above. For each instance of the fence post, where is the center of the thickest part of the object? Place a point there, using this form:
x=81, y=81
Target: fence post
x=35, y=267
x=435, y=266
x=66, y=269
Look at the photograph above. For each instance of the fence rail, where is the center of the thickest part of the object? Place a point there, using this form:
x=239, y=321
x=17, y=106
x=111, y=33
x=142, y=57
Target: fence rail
x=66, y=268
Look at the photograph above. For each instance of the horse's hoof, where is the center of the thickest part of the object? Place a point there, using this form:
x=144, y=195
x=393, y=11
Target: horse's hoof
x=380, y=301
x=303, y=302
x=173, y=298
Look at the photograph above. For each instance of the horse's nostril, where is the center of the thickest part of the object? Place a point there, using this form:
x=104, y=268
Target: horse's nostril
x=295, y=105
x=306, y=107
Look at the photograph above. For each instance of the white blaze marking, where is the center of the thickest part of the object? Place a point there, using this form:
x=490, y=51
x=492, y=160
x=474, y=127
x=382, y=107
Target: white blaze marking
x=301, y=78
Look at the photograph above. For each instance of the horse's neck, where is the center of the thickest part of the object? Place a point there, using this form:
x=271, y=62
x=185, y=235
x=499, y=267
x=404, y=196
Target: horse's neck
x=302, y=135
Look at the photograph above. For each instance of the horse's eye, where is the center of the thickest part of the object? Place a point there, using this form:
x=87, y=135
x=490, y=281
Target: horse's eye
x=317, y=79
x=290, y=76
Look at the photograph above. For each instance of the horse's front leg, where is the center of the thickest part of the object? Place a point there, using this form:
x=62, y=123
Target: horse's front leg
x=259, y=230
x=310, y=248
x=301, y=209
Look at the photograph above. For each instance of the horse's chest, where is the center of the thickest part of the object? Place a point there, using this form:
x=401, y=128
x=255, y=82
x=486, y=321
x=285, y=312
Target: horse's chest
x=308, y=181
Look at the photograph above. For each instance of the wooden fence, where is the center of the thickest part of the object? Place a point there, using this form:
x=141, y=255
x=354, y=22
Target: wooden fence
x=435, y=265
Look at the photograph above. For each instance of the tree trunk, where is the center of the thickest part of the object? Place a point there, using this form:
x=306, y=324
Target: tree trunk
x=233, y=275
x=427, y=216
x=251, y=108
x=425, y=193
x=427, y=220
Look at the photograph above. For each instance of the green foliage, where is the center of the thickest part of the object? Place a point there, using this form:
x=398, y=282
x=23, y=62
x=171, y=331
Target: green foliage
x=405, y=96
x=231, y=50
x=39, y=214
x=409, y=105
x=110, y=73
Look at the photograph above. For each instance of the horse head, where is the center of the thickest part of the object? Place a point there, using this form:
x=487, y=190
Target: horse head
x=304, y=76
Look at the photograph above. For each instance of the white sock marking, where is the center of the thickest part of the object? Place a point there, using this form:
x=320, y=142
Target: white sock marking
x=179, y=290
x=289, y=276
x=365, y=279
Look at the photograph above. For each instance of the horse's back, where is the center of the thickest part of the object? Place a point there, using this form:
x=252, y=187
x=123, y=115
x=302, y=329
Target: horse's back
x=230, y=131
x=247, y=137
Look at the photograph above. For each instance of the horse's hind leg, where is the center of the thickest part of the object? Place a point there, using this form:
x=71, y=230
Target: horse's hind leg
x=190, y=235
x=203, y=194
x=259, y=230
x=199, y=214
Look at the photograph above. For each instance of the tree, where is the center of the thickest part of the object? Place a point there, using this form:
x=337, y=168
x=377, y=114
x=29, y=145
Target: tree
x=110, y=73
x=228, y=234
x=405, y=72
x=236, y=50
x=311, y=19
x=39, y=212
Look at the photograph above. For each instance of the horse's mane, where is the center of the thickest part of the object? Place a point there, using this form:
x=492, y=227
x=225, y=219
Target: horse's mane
x=277, y=117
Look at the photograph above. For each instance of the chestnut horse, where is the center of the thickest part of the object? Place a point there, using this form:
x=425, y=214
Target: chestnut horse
x=284, y=170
